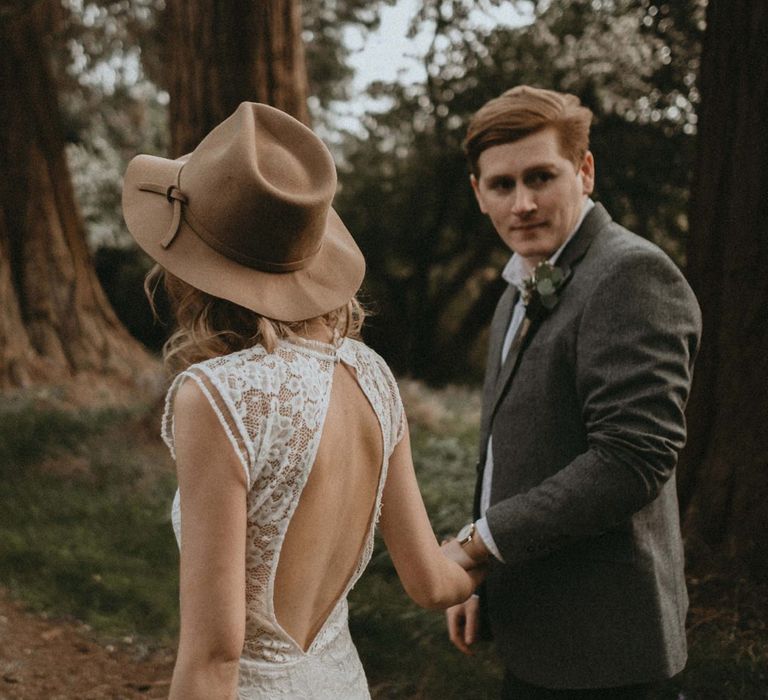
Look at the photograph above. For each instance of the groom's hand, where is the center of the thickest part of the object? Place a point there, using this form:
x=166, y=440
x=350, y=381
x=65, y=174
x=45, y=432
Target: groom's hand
x=464, y=624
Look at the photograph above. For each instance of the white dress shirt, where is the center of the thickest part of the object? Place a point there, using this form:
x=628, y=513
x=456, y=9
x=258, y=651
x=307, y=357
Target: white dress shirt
x=514, y=272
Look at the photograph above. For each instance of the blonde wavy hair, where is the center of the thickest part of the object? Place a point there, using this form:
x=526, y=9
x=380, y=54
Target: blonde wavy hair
x=208, y=326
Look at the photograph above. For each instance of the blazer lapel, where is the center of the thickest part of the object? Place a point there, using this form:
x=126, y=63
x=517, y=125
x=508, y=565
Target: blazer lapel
x=510, y=363
x=597, y=218
x=499, y=325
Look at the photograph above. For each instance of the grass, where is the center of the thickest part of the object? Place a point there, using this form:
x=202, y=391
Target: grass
x=85, y=531
x=85, y=527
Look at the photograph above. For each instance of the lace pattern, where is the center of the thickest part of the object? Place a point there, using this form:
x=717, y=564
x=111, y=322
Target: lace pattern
x=273, y=407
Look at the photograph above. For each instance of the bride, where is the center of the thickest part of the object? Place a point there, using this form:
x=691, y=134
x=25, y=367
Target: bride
x=289, y=435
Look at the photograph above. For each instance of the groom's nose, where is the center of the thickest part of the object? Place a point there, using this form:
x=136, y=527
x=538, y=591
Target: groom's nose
x=523, y=201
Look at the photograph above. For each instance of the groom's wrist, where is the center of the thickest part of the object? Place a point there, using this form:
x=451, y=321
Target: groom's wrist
x=476, y=548
x=473, y=544
x=481, y=526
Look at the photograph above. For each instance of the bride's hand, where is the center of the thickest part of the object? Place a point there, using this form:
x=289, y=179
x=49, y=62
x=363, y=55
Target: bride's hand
x=455, y=552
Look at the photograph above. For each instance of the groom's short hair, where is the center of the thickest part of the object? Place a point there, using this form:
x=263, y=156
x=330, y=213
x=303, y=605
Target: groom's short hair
x=524, y=110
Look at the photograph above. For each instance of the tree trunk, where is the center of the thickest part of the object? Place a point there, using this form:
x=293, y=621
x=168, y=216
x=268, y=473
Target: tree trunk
x=55, y=321
x=222, y=53
x=724, y=469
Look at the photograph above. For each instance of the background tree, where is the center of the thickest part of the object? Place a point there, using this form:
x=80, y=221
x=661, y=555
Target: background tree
x=221, y=53
x=56, y=321
x=724, y=468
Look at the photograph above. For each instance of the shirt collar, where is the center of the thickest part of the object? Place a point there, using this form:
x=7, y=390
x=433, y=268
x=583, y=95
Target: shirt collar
x=515, y=271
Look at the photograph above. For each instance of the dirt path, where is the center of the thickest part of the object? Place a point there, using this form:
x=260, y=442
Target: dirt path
x=47, y=659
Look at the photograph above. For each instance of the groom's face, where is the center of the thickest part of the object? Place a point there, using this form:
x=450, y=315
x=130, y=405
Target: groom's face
x=532, y=193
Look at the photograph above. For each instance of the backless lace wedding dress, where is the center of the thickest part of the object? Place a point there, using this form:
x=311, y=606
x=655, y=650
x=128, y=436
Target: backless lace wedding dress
x=273, y=408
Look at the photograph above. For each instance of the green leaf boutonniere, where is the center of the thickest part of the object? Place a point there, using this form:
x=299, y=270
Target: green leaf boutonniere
x=540, y=290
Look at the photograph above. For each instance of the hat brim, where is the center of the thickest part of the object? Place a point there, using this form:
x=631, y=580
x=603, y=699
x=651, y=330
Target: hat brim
x=326, y=282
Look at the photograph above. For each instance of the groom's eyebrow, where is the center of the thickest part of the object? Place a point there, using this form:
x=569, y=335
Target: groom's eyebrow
x=547, y=165
x=501, y=177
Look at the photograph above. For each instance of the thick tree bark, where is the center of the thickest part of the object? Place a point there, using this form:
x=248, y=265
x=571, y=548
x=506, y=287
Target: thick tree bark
x=222, y=53
x=724, y=469
x=20, y=365
x=56, y=321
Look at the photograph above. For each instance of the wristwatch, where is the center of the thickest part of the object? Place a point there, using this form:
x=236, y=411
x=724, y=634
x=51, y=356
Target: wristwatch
x=466, y=534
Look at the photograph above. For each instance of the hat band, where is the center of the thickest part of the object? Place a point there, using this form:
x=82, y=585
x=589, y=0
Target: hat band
x=173, y=194
x=264, y=265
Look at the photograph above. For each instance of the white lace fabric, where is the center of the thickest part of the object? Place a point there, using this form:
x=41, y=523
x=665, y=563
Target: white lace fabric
x=272, y=407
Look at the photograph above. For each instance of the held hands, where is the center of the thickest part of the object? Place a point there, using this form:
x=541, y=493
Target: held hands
x=467, y=549
x=463, y=619
x=472, y=555
x=455, y=552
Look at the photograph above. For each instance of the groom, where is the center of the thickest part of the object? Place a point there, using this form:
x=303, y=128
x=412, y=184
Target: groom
x=589, y=366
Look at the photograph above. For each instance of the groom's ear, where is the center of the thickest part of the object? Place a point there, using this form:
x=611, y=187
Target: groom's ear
x=587, y=172
x=476, y=189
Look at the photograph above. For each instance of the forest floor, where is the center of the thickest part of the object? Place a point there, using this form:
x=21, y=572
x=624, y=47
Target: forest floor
x=49, y=658
x=46, y=658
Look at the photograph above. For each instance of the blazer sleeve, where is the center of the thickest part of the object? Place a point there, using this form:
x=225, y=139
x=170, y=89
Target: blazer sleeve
x=636, y=343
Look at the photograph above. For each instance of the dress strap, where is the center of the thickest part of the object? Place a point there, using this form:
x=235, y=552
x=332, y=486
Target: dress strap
x=221, y=405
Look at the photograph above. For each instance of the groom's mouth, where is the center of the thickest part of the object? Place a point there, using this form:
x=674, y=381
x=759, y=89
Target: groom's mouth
x=528, y=227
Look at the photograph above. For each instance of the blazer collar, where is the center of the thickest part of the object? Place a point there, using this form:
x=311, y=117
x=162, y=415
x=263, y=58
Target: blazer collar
x=593, y=222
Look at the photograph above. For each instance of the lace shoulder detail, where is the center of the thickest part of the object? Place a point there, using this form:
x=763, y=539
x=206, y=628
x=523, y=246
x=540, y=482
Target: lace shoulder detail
x=221, y=405
x=378, y=381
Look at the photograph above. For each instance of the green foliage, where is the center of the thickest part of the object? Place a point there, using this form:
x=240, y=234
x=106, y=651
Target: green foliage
x=105, y=54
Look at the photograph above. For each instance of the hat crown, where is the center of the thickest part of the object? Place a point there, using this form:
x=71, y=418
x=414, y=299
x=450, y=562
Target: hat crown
x=260, y=185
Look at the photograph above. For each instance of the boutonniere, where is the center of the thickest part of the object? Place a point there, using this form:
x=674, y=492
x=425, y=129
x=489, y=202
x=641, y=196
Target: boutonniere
x=540, y=290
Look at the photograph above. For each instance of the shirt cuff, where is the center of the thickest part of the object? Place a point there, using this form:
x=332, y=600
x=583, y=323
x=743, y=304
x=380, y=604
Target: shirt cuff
x=481, y=526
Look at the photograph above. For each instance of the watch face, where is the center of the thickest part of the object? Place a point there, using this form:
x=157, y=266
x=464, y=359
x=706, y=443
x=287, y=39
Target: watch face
x=465, y=534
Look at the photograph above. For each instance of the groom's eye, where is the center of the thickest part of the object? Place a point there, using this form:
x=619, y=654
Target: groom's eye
x=539, y=177
x=502, y=184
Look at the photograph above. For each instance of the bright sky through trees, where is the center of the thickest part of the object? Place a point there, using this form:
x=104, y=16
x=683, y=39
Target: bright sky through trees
x=388, y=54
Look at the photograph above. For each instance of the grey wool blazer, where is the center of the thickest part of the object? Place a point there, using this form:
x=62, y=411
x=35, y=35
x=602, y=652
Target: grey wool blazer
x=587, y=420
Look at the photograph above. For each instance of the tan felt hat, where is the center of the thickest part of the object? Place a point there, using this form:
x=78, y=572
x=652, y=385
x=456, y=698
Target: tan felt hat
x=247, y=217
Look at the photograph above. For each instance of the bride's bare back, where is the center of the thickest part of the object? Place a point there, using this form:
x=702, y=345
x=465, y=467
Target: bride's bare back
x=282, y=460
x=329, y=527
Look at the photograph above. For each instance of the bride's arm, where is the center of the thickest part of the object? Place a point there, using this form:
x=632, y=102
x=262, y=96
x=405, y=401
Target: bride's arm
x=212, y=574
x=429, y=578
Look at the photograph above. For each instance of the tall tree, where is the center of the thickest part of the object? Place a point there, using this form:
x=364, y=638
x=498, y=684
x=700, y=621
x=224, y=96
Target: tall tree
x=724, y=469
x=55, y=321
x=221, y=53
